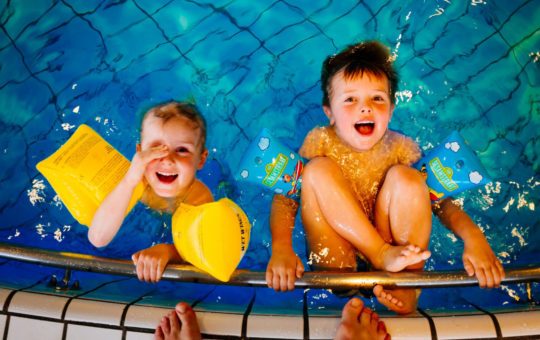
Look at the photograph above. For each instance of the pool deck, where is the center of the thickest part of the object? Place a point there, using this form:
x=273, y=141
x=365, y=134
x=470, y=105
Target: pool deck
x=112, y=307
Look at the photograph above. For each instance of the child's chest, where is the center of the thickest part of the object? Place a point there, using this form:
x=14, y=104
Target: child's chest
x=366, y=170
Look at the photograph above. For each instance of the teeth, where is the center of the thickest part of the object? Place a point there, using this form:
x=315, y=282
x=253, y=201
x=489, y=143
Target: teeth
x=166, y=173
x=166, y=177
x=365, y=122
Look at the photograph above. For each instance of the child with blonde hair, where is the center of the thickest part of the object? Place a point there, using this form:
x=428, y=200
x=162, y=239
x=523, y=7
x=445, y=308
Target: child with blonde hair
x=171, y=150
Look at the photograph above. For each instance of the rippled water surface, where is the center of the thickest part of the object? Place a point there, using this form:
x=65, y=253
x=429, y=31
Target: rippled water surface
x=471, y=66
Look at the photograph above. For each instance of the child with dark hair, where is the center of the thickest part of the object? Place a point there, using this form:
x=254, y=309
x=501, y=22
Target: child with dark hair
x=171, y=150
x=360, y=197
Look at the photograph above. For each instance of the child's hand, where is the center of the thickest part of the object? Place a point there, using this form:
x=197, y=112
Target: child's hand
x=479, y=260
x=283, y=269
x=151, y=262
x=141, y=159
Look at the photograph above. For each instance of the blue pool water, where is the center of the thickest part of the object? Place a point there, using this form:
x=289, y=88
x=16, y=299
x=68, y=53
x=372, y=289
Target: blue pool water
x=471, y=66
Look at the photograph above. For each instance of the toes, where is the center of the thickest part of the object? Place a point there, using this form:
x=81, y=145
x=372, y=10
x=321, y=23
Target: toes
x=377, y=290
x=393, y=300
x=351, y=310
x=365, y=317
x=412, y=248
x=381, y=327
x=165, y=325
x=190, y=327
x=382, y=333
x=158, y=334
x=174, y=322
x=374, y=320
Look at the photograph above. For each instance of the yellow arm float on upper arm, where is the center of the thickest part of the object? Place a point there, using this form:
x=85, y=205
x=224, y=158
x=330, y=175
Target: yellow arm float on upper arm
x=212, y=236
x=83, y=171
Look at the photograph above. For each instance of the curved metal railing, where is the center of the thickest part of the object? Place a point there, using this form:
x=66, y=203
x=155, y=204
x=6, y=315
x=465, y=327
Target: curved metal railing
x=188, y=273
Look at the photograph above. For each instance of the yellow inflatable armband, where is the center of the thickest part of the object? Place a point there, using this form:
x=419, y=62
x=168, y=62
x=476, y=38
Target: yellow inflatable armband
x=212, y=236
x=84, y=171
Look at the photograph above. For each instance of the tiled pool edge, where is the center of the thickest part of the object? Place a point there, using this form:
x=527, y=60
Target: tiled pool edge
x=47, y=316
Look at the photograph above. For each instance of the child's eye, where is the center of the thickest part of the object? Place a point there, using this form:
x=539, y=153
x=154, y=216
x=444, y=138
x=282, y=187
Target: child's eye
x=378, y=98
x=182, y=149
x=349, y=100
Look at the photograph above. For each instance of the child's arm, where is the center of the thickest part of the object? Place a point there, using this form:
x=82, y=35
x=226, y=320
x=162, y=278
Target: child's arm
x=478, y=257
x=284, y=266
x=151, y=262
x=110, y=214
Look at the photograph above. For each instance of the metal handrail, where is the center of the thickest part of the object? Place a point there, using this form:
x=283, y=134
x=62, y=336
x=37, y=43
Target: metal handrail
x=318, y=279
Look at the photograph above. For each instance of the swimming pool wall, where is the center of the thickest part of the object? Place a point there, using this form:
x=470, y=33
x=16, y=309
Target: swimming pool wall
x=470, y=66
x=115, y=307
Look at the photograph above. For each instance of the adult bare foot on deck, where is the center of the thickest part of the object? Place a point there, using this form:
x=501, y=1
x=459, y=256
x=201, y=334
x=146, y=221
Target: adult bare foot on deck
x=180, y=324
x=359, y=323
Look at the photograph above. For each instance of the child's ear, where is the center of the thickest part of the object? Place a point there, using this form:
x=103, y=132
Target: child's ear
x=204, y=154
x=328, y=113
x=392, y=107
x=138, y=147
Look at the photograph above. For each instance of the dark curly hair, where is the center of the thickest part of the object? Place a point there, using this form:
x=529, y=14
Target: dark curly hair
x=370, y=56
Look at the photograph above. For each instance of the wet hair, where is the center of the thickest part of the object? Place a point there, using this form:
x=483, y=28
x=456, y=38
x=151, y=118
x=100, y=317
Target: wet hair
x=169, y=110
x=369, y=56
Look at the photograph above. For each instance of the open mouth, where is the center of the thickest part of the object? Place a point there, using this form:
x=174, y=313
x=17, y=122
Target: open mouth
x=365, y=128
x=166, y=177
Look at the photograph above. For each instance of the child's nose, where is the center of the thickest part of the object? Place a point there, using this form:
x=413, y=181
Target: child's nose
x=365, y=106
x=167, y=158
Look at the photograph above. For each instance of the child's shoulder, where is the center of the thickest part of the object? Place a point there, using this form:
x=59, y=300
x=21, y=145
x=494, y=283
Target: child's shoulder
x=407, y=150
x=396, y=134
x=315, y=142
x=399, y=137
x=320, y=132
x=199, y=194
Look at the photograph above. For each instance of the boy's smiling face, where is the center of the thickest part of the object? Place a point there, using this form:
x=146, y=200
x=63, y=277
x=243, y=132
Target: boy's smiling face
x=360, y=108
x=172, y=175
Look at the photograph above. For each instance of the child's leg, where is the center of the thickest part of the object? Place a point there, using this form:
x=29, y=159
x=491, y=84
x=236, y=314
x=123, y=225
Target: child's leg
x=329, y=250
x=403, y=216
x=336, y=225
x=403, y=209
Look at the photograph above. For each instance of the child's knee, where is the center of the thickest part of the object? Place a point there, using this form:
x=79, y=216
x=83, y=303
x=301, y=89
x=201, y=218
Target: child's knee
x=410, y=179
x=318, y=168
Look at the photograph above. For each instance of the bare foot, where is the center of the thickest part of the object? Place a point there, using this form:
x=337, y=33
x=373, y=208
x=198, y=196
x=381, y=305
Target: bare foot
x=180, y=324
x=396, y=258
x=359, y=323
x=402, y=301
